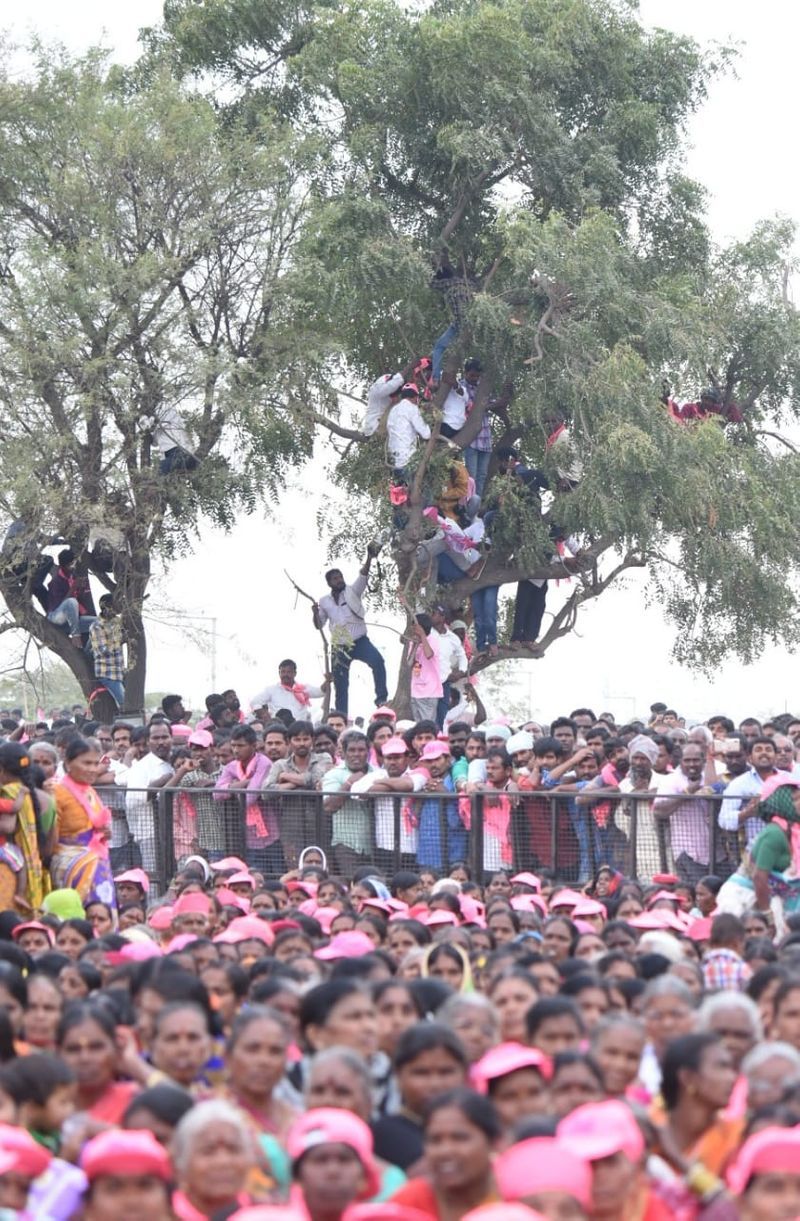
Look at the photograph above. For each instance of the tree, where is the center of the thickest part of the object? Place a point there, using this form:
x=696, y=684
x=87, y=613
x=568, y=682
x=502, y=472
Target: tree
x=143, y=260
x=537, y=144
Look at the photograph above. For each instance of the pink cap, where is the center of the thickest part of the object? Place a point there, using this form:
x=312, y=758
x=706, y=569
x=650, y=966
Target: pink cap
x=589, y=907
x=135, y=951
x=384, y=713
x=227, y=863
x=29, y=1158
x=250, y=928
x=435, y=918
x=31, y=926
x=308, y=888
x=201, y=737
x=529, y=903
x=772, y=1150
x=349, y=944
x=663, y=895
x=660, y=919
x=600, y=1129
x=324, y=916
x=503, y=1212
x=543, y=1164
x=385, y=1210
x=190, y=904
x=776, y=781
x=330, y=1126
x=472, y=911
x=269, y=1212
x=434, y=750
x=583, y=926
x=228, y=898
x=527, y=879
x=176, y=944
x=116, y=1152
x=508, y=1058
x=565, y=898
x=374, y=903
x=394, y=746
x=137, y=876
x=700, y=929
x=161, y=918
x=243, y=877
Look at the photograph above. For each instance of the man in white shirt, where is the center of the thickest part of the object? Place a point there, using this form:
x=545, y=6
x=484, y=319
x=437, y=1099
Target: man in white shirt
x=392, y=777
x=452, y=660
x=172, y=439
x=288, y=693
x=383, y=394
x=152, y=771
x=743, y=793
x=343, y=609
x=404, y=426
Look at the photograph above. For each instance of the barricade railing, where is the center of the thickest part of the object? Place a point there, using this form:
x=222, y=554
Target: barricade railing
x=530, y=830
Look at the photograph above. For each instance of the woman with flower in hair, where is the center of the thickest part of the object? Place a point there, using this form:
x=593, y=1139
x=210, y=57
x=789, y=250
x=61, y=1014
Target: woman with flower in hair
x=22, y=877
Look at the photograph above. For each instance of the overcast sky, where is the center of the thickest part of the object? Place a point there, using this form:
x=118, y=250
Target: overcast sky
x=620, y=656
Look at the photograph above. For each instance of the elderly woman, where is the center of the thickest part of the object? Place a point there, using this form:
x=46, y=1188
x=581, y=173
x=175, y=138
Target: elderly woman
x=340, y=1078
x=735, y=1018
x=668, y=1011
x=770, y=1069
x=212, y=1153
x=474, y=1019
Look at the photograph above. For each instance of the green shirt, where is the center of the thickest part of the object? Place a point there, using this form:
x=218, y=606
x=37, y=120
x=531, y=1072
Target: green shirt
x=770, y=850
x=351, y=823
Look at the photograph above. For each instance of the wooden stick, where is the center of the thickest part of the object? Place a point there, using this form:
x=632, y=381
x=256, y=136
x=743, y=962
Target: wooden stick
x=326, y=699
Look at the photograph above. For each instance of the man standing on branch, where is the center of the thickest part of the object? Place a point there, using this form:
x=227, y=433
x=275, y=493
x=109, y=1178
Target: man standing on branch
x=343, y=608
x=106, y=644
x=288, y=693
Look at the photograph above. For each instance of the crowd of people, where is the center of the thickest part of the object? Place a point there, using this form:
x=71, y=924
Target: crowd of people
x=334, y=1025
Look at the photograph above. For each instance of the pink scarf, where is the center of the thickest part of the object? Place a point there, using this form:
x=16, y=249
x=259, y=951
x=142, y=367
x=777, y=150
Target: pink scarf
x=299, y=692
x=99, y=815
x=551, y=440
x=255, y=818
x=496, y=819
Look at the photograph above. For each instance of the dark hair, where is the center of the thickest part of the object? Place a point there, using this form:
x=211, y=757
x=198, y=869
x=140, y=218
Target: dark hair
x=560, y=722
x=244, y=733
x=428, y=1036
x=173, y=984
x=298, y=727
x=478, y=1109
x=82, y=927
x=497, y=752
x=565, y=1059
x=179, y=1007
x=78, y=1012
x=52, y=963
x=276, y=727
x=14, y=982
x=88, y=973
x=11, y=756
x=381, y=986
x=582, y=712
x=169, y=701
x=169, y=1103
x=789, y=985
x=35, y=1077
x=726, y=928
x=579, y=982
x=255, y=1013
x=444, y=949
x=77, y=747
x=711, y=882
x=319, y=1001
x=419, y=931
x=763, y=977
x=687, y=1051
x=403, y=879
x=552, y=1007
x=547, y=746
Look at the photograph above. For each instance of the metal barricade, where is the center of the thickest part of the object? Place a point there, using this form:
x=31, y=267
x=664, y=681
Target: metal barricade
x=534, y=830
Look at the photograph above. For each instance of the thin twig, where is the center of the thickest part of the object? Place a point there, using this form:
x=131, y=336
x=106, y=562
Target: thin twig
x=326, y=700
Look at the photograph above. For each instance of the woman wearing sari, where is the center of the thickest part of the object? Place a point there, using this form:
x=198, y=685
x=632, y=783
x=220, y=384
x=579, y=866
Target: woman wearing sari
x=81, y=859
x=22, y=875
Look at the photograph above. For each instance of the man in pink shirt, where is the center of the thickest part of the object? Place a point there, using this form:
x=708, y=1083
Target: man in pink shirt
x=426, y=680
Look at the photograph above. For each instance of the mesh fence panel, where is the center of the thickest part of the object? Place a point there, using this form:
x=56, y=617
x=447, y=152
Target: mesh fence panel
x=534, y=830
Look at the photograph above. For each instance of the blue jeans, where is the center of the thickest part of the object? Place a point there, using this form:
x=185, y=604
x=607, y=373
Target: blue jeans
x=477, y=463
x=363, y=650
x=115, y=688
x=68, y=615
x=580, y=825
x=440, y=347
x=484, y=610
x=177, y=459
